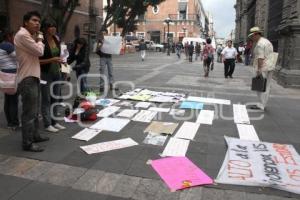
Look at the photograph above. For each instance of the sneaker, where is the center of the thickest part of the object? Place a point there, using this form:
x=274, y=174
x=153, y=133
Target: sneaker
x=51, y=129
x=59, y=127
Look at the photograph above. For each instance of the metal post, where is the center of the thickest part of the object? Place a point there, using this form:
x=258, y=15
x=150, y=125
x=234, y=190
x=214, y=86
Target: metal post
x=168, y=37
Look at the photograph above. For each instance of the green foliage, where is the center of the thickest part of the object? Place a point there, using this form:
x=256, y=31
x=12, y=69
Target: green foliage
x=124, y=13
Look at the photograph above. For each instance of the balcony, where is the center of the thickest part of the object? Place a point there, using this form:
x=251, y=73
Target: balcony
x=184, y=18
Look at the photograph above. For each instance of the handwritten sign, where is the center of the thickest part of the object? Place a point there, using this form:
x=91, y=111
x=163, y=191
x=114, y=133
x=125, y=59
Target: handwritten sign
x=180, y=173
x=255, y=163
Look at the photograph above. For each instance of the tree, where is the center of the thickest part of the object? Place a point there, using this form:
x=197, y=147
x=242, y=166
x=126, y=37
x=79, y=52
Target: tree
x=123, y=13
x=61, y=12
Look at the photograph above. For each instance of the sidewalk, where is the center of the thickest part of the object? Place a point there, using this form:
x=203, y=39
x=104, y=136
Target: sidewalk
x=64, y=171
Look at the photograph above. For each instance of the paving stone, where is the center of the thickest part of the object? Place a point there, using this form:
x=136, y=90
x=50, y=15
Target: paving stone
x=22, y=167
x=9, y=186
x=40, y=168
x=62, y=175
x=140, y=168
x=89, y=180
x=164, y=193
x=107, y=183
x=126, y=186
x=146, y=190
x=37, y=190
x=73, y=194
x=112, y=164
x=191, y=194
x=229, y=194
x=7, y=166
x=251, y=196
x=212, y=194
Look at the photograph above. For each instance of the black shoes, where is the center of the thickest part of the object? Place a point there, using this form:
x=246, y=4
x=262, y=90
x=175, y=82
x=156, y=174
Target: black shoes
x=33, y=148
x=41, y=139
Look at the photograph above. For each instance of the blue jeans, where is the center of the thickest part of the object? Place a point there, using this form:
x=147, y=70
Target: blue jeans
x=29, y=89
x=106, y=63
x=83, y=81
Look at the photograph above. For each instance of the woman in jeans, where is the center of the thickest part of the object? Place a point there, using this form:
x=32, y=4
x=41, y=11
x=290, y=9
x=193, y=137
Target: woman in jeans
x=8, y=64
x=50, y=72
x=80, y=54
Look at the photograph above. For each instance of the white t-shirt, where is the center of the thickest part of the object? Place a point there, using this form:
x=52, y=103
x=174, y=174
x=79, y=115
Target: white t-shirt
x=229, y=53
x=264, y=50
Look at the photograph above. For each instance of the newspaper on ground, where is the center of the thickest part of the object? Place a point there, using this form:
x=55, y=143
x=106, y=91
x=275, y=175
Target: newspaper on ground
x=110, y=124
x=176, y=147
x=86, y=134
x=108, y=146
x=188, y=130
x=144, y=116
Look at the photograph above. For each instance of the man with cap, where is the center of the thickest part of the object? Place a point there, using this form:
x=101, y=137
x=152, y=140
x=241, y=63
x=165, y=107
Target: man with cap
x=262, y=63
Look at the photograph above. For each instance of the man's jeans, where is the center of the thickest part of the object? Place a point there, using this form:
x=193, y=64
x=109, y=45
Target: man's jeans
x=103, y=63
x=29, y=89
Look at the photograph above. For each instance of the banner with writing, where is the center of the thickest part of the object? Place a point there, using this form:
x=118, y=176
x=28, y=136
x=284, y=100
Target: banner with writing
x=254, y=163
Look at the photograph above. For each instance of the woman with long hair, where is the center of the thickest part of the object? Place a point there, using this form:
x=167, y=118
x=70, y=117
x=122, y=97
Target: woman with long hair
x=80, y=54
x=50, y=72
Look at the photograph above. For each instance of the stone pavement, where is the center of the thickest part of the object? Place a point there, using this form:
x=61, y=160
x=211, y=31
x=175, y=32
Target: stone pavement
x=64, y=171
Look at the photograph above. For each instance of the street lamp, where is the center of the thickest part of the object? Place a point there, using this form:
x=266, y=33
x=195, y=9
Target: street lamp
x=168, y=21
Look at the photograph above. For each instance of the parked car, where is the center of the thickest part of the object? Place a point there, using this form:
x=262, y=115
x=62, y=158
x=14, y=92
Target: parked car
x=153, y=46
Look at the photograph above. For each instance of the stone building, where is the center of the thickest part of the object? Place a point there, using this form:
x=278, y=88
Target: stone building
x=188, y=19
x=280, y=20
x=11, y=16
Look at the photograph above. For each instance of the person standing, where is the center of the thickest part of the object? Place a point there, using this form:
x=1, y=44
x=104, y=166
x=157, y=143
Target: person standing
x=8, y=64
x=50, y=72
x=178, y=47
x=105, y=63
x=142, y=48
x=247, y=52
x=191, y=51
x=80, y=54
x=29, y=47
x=241, y=50
x=208, y=57
x=197, y=50
x=229, y=55
x=262, y=63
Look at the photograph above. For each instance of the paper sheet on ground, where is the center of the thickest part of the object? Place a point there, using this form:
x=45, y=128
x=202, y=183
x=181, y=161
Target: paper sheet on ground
x=108, y=111
x=176, y=147
x=86, y=134
x=127, y=113
x=125, y=103
x=209, y=100
x=112, y=45
x=110, y=124
x=247, y=132
x=143, y=105
x=155, y=139
x=108, y=146
x=161, y=127
x=159, y=109
x=144, y=116
x=180, y=173
x=106, y=102
x=206, y=117
x=140, y=97
x=263, y=164
x=187, y=131
x=163, y=99
x=177, y=112
x=191, y=105
x=240, y=114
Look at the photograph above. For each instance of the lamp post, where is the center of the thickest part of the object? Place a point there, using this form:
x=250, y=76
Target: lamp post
x=168, y=21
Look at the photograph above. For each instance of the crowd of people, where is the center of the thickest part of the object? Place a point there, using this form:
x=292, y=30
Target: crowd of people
x=33, y=57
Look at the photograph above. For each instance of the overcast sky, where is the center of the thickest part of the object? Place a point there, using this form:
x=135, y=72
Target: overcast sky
x=223, y=13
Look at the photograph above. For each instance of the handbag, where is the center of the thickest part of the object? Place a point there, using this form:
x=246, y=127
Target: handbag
x=259, y=83
x=8, y=83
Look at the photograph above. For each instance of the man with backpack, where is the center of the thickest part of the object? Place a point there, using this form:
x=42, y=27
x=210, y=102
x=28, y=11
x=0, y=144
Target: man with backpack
x=229, y=55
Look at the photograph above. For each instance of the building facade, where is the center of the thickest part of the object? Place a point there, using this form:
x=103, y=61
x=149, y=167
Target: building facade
x=280, y=21
x=188, y=20
x=11, y=16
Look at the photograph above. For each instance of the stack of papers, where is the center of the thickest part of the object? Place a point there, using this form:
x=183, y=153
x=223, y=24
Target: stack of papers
x=127, y=113
x=108, y=111
x=240, y=114
x=187, y=131
x=176, y=147
x=143, y=105
x=110, y=124
x=145, y=116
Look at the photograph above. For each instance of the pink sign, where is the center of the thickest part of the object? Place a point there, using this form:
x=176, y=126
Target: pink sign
x=180, y=173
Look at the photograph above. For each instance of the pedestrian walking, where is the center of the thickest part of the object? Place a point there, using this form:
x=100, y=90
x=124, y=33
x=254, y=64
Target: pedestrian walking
x=105, y=63
x=241, y=50
x=142, y=48
x=248, y=52
x=197, y=50
x=191, y=51
x=50, y=73
x=178, y=47
x=263, y=64
x=208, y=57
x=186, y=50
x=229, y=55
x=80, y=54
x=29, y=47
x=219, y=53
x=8, y=64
